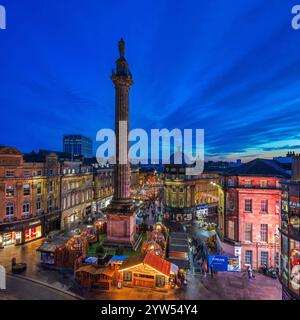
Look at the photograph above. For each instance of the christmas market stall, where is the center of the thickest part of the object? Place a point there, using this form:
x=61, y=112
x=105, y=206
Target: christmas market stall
x=91, y=276
x=147, y=270
x=62, y=252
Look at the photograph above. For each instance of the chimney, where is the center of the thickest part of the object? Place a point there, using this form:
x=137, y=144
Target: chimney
x=296, y=168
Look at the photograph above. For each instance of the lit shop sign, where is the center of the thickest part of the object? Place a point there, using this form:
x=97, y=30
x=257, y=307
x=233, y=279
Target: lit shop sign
x=224, y=263
x=34, y=223
x=294, y=202
x=202, y=211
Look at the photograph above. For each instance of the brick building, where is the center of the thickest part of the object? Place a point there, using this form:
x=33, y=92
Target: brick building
x=29, y=196
x=250, y=212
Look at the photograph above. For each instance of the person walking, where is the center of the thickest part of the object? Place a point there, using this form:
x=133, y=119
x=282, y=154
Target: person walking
x=211, y=270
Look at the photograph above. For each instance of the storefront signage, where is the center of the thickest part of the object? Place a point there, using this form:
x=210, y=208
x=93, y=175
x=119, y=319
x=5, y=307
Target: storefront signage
x=34, y=223
x=224, y=263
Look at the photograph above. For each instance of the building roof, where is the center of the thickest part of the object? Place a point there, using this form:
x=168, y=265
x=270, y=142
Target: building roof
x=133, y=261
x=9, y=151
x=156, y=262
x=259, y=167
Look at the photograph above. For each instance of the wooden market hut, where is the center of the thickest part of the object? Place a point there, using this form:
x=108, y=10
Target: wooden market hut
x=92, y=276
x=147, y=270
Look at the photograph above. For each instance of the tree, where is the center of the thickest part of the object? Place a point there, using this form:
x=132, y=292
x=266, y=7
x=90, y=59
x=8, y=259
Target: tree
x=119, y=251
x=100, y=249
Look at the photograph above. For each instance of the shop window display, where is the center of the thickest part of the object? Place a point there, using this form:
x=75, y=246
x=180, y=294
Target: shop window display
x=33, y=233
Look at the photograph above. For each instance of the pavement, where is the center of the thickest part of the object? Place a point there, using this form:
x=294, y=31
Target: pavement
x=23, y=289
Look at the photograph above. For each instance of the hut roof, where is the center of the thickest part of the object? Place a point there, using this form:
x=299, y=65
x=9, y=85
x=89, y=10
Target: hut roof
x=161, y=265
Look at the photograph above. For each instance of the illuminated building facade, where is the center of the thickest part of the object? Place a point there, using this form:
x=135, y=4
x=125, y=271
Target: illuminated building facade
x=29, y=196
x=290, y=235
x=183, y=193
x=250, y=213
x=76, y=193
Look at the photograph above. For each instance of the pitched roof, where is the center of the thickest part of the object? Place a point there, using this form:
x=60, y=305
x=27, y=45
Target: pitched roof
x=259, y=167
x=158, y=263
x=150, y=259
x=133, y=261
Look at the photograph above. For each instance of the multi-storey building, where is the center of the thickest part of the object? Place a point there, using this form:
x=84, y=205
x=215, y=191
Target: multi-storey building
x=29, y=197
x=103, y=185
x=78, y=145
x=184, y=193
x=76, y=193
x=249, y=213
x=290, y=234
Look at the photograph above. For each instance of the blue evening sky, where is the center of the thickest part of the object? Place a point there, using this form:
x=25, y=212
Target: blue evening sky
x=231, y=67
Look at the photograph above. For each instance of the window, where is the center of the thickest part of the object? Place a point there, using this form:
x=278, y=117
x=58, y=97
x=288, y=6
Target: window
x=248, y=257
x=39, y=172
x=160, y=281
x=264, y=206
x=248, y=183
x=264, y=232
x=263, y=183
x=26, y=207
x=50, y=186
x=231, y=232
x=264, y=257
x=248, y=232
x=9, y=209
x=277, y=258
x=9, y=191
x=50, y=172
x=27, y=173
x=26, y=189
x=230, y=183
x=39, y=188
x=38, y=204
x=181, y=202
x=248, y=205
x=127, y=276
x=50, y=203
x=10, y=173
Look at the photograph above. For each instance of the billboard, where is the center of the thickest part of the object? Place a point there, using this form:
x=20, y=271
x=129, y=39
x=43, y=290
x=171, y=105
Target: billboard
x=224, y=263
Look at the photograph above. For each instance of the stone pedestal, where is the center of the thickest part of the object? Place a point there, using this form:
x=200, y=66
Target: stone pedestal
x=121, y=225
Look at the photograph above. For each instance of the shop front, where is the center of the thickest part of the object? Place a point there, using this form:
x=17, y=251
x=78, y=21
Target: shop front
x=51, y=222
x=20, y=232
x=32, y=230
x=11, y=237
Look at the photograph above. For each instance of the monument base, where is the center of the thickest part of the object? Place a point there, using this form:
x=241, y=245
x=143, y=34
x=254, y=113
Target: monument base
x=121, y=225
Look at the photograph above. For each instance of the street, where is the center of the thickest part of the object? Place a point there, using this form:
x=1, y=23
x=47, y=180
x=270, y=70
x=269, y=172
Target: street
x=23, y=289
